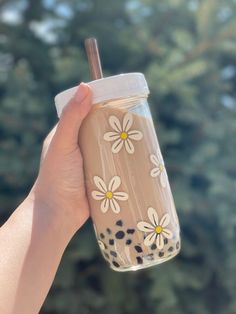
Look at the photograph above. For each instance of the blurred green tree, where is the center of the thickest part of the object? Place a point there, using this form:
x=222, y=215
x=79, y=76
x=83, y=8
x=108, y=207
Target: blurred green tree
x=187, y=51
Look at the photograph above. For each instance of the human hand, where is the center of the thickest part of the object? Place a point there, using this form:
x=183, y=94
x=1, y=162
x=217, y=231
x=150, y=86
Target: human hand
x=59, y=188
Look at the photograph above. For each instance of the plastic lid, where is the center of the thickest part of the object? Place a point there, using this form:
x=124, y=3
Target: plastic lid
x=111, y=87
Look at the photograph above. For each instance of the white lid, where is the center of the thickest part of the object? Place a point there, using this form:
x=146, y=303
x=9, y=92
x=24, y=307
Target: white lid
x=112, y=87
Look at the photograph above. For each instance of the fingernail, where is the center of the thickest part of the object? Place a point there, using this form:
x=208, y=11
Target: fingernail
x=81, y=92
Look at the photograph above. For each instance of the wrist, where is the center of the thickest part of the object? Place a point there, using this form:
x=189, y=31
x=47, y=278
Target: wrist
x=49, y=219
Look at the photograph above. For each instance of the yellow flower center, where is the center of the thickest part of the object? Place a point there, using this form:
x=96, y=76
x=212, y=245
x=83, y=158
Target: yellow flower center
x=158, y=229
x=109, y=194
x=161, y=167
x=124, y=135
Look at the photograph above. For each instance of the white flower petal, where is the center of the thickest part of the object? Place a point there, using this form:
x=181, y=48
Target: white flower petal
x=160, y=241
x=114, y=183
x=97, y=195
x=100, y=184
x=155, y=172
x=127, y=122
x=167, y=233
x=150, y=239
x=145, y=226
x=153, y=217
x=129, y=146
x=105, y=205
x=114, y=206
x=115, y=123
x=111, y=136
x=116, y=147
x=121, y=196
x=135, y=135
x=165, y=220
x=163, y=178
x=154, y=160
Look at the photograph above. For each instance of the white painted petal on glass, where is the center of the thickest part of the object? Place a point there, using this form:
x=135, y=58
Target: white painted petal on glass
x=145, y=226
x=114, y=206
x=111, y=136
x=135, y=135
x=150, y=239
x=116, y=147
x=167, y=233
x=127, y=122
x=153, y=217
x=121, y=196
x=100, y=184
x=105, y=205
x=129, y=146
x=115, y=123
x=155, y=172
x=165, y=220
x=160, y=241
x=97, y=195
x=163, y=179
x=154, y=160
x=114, y=183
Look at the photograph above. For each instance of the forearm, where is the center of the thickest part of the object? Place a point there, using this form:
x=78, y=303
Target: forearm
x=32, y=243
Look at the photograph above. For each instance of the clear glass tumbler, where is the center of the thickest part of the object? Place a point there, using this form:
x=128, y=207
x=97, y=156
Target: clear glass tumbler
x=131, y=203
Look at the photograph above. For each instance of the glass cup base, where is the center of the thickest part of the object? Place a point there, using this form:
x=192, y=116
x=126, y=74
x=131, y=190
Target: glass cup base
x=146, y=264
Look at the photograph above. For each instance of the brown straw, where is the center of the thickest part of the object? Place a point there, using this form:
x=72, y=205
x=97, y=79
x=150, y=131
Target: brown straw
x=91, y=47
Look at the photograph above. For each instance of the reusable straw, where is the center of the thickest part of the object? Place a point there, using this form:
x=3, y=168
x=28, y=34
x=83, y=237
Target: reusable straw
x=92, y=51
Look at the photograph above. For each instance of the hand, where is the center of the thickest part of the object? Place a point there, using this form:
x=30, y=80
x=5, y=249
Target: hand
x=59, y=188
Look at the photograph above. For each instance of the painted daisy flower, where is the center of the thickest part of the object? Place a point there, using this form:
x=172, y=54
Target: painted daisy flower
x=108, y=195
x=159, y=169
x=122, y=135
x=157, y=229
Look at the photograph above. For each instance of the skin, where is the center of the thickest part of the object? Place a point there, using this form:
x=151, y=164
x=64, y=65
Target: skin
x=33, y=239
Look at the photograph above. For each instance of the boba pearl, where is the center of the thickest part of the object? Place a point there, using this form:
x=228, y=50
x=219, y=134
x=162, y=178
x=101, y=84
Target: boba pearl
x=138, y=248
x=113, y=253
x=119, y=223
x=139, y=260
x=115, y=264
x=120, y=235
x=130, y=231
x=111, y=242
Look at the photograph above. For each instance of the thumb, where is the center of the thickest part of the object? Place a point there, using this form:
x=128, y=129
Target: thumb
x=72, y=116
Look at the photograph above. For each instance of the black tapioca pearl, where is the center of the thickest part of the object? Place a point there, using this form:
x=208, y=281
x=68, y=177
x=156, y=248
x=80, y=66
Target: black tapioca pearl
x=128, y=242
x=120, y=235
x=108, y=230
x=130, y=231
x=107, y=255
x=161, y=254
x=111, y=242
x=138, y=248
x=113, y=253
x=165, y=241
x=119, y=223
x=153, y=246
x=115, y=264
x=171, y=249
x=102, y=236
x=139, y=260
x=177, y=245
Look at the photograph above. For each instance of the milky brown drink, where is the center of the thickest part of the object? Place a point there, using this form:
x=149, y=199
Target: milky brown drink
x=129, y=195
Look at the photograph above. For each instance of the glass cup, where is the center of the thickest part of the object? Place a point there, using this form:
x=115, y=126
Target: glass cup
x=130, y=199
